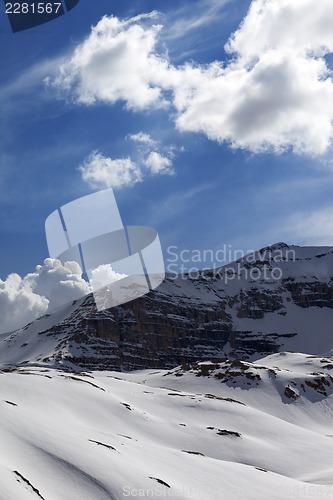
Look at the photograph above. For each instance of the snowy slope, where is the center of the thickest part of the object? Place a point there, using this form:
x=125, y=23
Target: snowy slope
x=107, y=435
x=29, y=343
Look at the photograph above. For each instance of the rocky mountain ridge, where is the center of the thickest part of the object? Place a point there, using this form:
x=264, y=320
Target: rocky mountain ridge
x=277, y=299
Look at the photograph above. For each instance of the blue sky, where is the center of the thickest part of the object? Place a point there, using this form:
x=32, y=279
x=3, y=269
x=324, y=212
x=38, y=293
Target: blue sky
x=211, y=146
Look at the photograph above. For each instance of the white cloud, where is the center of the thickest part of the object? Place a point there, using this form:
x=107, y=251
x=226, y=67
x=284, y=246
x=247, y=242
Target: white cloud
x=103, y=276
x=283, y=101
x=276, y=93
x=303, y=27
x=99, y=171
x=158, y=164
x=24, y=299
x=116, y=62
x=142, y=138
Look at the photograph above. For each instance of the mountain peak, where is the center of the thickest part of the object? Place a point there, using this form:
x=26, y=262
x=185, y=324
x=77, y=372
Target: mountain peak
x=275, y=246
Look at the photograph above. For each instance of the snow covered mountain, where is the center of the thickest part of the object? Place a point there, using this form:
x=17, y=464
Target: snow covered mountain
x=223, y=415
x=279, y=298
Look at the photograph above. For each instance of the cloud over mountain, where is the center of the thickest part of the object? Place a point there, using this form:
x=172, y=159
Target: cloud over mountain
x=24, y=299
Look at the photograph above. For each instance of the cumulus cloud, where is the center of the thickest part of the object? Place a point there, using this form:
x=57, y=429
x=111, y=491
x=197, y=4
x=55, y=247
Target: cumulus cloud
x=104, y=275
x=283, y=101
x=99, y=171
x=158, y=164
x=283, y=25
x=275, y=92
x=116, y=62
x=24, y=299
x=53, y=284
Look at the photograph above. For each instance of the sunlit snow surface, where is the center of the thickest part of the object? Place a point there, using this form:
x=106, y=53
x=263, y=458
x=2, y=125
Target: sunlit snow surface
x=109, y=435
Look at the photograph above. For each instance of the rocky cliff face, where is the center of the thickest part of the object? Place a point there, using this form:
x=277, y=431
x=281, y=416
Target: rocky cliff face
x=264, y=303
